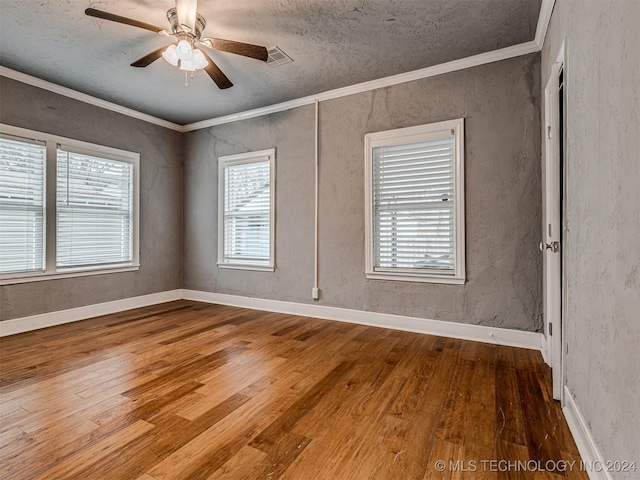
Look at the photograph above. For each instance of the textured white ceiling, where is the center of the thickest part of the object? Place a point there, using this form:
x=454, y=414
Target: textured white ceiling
x=334, y=43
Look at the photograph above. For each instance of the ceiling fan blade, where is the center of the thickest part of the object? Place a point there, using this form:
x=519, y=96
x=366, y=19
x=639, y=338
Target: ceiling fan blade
x=149, y=58
x=216, y=74
x=187, y=10
x=239, y=48
x=92, y=12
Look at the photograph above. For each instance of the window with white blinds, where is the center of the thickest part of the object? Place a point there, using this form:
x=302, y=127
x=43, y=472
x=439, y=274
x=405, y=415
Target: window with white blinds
x=22, y=205
x=246, y=193
x=86, y=224
x=94, y=210
x=416, y=207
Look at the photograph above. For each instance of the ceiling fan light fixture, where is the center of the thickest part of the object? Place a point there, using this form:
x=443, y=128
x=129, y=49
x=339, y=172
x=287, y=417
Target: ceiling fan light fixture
x=171, y=55
x=184, y=50
x=187, y=65
x=199, y=60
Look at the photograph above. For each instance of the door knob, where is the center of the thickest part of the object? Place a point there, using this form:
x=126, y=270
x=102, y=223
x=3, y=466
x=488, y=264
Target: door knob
x=553, y=246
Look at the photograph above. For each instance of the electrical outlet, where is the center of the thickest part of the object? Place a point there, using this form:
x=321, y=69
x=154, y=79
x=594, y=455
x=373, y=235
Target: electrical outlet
x=315, y=293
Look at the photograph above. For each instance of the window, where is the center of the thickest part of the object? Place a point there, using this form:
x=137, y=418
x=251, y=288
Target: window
x=22, y=205
x=246, y=187
x=415, y=203
x=87, y=224
x=94, y=210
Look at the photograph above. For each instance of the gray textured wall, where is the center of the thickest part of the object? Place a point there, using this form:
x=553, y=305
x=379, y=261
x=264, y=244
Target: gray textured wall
x=500, y=102
x=160, y=199
x=602, y=245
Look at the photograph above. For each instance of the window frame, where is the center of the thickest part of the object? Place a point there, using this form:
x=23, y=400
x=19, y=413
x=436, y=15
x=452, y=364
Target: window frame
x=41, y=208
x=51, y=270
x=242, y=159
x=404, y=136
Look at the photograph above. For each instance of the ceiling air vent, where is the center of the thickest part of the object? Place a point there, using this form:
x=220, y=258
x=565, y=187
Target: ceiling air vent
x=277, y=57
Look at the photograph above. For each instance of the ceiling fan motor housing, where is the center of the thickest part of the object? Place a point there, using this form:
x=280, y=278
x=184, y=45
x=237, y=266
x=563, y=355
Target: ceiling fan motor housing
x=180, y=30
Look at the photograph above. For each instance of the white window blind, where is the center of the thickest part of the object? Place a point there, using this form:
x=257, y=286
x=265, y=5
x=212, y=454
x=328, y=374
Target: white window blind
x=94, y=210
x=22, y=205
x=413, y=204
x=247, y=213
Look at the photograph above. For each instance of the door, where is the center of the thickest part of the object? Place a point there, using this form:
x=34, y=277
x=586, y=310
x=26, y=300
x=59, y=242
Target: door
x=553, y=199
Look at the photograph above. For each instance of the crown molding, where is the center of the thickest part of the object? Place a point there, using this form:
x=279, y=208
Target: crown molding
x=461, y=64
x=83, y=97
x=535, y=45
x=546, y=9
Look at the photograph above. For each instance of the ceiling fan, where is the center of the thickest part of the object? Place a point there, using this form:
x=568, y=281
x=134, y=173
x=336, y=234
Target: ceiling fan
x=187, y=26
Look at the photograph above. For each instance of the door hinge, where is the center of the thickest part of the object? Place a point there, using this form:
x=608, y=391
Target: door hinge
x=550, y=328
x=549, y=133
x=553, y=246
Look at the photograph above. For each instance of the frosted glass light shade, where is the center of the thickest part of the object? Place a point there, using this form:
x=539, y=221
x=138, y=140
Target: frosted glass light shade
x=184, y=50
x=187, y=65
x=171, y=55
x=199, y=60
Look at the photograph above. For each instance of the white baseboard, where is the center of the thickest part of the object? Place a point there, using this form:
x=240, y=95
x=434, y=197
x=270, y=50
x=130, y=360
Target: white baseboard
x=589, y=451
x=544, y=349
x=478, y=333
x=43, y=320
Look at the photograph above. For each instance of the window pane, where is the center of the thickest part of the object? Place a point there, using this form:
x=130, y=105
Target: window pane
x=22, y=206
x=247, y=213
x=413, y=205
x=94, y=211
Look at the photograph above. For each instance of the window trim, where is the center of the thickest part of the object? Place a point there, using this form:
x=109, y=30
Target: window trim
x=31, y=141
x=409, y=135
x=240, y=159
x=52, y=142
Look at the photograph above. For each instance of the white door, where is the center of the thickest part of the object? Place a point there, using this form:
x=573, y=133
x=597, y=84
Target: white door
x=551, y=245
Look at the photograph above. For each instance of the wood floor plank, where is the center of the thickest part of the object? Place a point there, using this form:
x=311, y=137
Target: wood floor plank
x=481, y=426
x=280, y=457
x=187, y=390
x=245, y=464
x=538, y=424
x=73, y=465
x=446, y=462
x=285, y=422
x=509, y=415
x=411, y=458
x=176, y=432
x=508, y=451
x=355, y=425
x=455, y=410
x=145, y=476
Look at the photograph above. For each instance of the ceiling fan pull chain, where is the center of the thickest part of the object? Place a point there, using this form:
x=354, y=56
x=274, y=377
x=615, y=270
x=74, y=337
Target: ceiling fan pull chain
x=186, y=79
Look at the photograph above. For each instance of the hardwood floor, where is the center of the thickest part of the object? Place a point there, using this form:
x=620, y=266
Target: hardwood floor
x=197, y=391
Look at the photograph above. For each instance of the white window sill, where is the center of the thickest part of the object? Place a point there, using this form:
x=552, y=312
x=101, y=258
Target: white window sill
x=241, y=266
x=67, y=273
x=417, y=277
